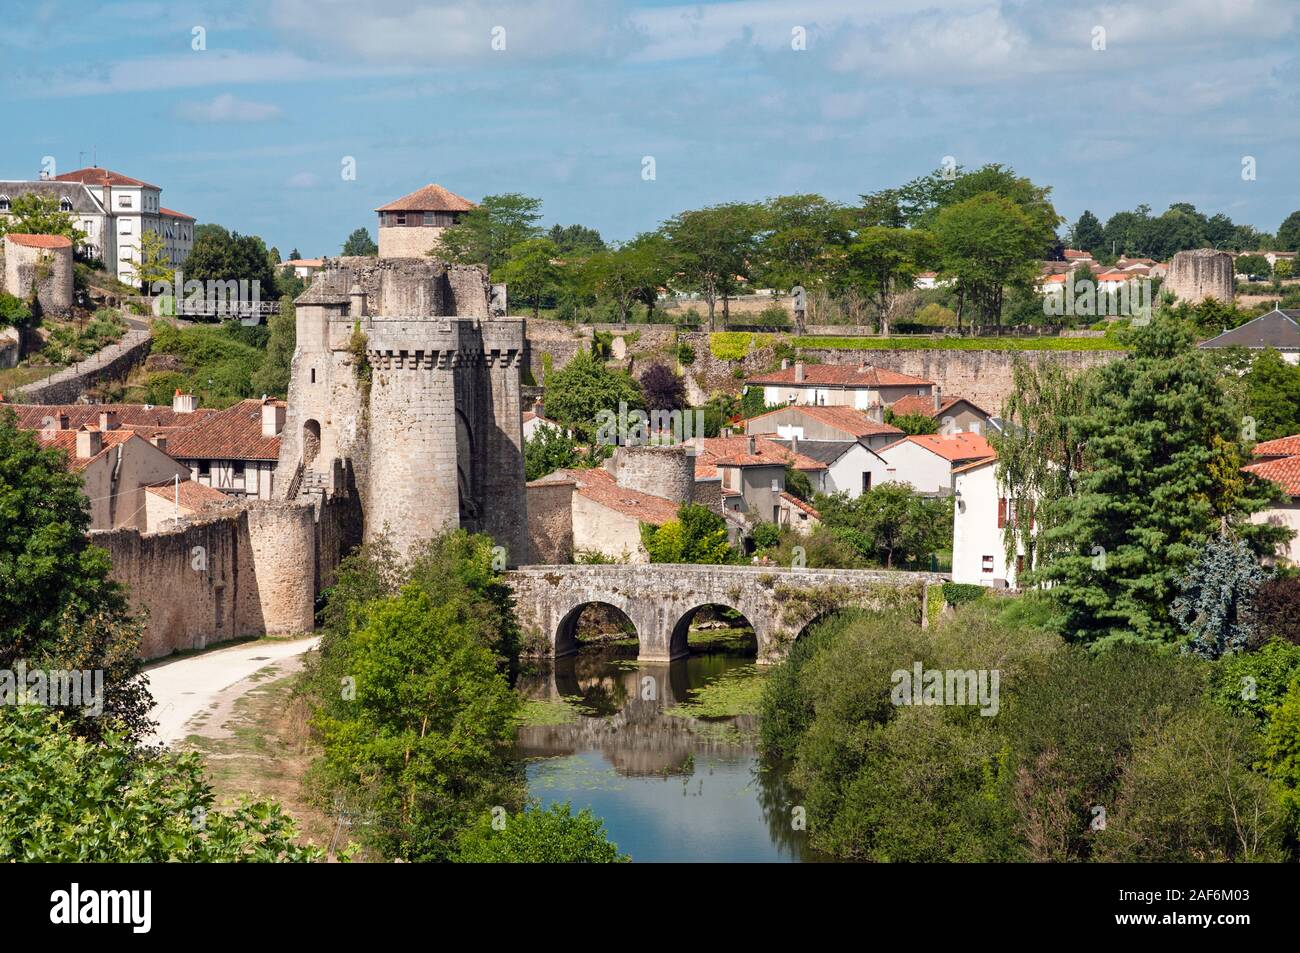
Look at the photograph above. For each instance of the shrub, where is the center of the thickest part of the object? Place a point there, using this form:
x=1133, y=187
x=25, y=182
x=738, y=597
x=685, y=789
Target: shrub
x=1251, y=683
x=955, y=593
x=685, y=354
x=1277, y=610
x=535, y=836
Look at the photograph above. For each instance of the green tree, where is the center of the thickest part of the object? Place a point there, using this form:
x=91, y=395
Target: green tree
x=539, y=836
x=154, y=265
x=550, y=449
x=698, y=535
x=67, y=800
x=1216, y=599
x=36, y=214
x=222, y=256
x=1281, y=759
x=628, y=273
x=576, y=240
x=578, y=393
x=1288, y=233
x=13, y=313
x=802, y=241
x=1252, y=265
x=1251, y=684
x=360, y=244
x=531, y=271
x=1161, y=476
x=418, y=740
x=272, y=377
x=882, y=262
x=890, y=523
x=712, y=247
x=1086, y=234
x=485, y=235
x=986, y=243
x=912, y=423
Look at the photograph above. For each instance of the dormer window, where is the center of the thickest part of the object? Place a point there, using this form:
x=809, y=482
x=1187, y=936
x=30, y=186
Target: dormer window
x=4, y=203
x=65, y=205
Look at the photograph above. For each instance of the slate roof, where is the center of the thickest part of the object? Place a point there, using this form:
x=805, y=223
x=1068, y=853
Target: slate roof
x=82, y=199
x=824, y=452
x=1276, y=329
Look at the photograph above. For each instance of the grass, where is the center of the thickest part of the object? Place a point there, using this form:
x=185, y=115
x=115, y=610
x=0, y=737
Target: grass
x=18, y=376
x=264, y=752
x=735, y=345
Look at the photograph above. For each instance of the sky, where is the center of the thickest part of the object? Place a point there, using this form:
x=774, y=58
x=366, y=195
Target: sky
x=252, y=114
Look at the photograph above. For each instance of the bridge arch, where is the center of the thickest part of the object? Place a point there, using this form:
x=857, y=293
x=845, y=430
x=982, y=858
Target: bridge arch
x=679, y=637
x=566, y=630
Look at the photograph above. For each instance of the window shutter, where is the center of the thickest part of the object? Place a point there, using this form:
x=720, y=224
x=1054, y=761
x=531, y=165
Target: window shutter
x=1002, y=512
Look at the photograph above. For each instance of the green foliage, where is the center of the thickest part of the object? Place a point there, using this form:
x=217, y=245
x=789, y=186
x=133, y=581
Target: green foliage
x=13, y=313
x=219, y=255
x=1252, y=265
x=797, y=483
x=58, y=608
x=822, y=548
x=1250, y=684
x=712, y=247
x=698, y=535
x=410, y=694
x=630, y=273
x=36, y=214
x=484, y=235
x=956, y=593
x=220, y=362
x=685, y=354
x=912, y=423
x=550, y=449
x=359, y=243
x=530, y=270
x=272, y=377
x=67, y=342
x=735, y=345
x=765, y=535
x=1288, y=233
x=1161, y=477
x=1273, y=395
x=881, y=262
x=985, y=243
x=540, y=836
x=1216, y=596
x=1281, y=758
x=916, y=342
x=890, y=523
x=576, y=239
x=577, y=393
x=68, y=800
x=1188, y=795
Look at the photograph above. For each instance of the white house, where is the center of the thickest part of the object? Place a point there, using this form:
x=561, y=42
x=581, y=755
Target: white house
x=927, y=461
x=1279, y=461
x=837, y=385
x=850, y=467
x=981, y=512
x=533, y=421
x=826, y=423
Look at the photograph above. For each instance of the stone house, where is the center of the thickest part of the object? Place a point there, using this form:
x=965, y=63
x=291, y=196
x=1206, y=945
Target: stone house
x=848, y=466
x=572, y=512
x=750, y=473
x=235, y=450
x=411, y=226
x=43, y=263
x=927, y=461
x=1279, y=461
x=166, y=503
x=826, y=423
x=837, y=385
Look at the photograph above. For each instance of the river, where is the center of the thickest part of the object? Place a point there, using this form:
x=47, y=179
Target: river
x=671, y=783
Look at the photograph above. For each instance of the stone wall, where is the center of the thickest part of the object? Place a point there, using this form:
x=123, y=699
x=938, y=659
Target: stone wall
x=668, y=472
x=49, y=269
x=113, y=363
x=1200, y=274
x=550, y=522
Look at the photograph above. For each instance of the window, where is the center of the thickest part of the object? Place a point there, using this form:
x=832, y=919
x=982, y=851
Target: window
x=4, y=203
x=313, y=375
x=866, y=482
x=124, y=201
x=65, y=205
x=401, y=218
x=988, y=564
x=205, y=468
x=126, y=226
x=428, y=218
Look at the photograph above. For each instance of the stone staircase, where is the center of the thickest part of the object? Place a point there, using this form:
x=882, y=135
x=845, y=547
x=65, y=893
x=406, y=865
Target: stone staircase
x=313, y=487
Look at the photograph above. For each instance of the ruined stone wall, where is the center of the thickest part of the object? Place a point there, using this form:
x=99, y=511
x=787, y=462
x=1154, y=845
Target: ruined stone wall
x=112, y=363
x=1200, y=274
x=708, y=493
x=49, y=269
x=468, y=291
x=668, y=472
x=550, y=522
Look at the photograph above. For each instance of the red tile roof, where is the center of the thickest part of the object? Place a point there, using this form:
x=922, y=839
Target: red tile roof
x=39, y=241
x=599, y=486
x=193, y=496
x=231, y=434
x=848, y=419
x=66, y=440
x=1281, y=447
x=431, y=198
x=956, y=447
x=97, y=176
x=1285, y=472
x=129, y=416
x=924, y=406
x=840, y=375
x=799, y=504
x=714, y=452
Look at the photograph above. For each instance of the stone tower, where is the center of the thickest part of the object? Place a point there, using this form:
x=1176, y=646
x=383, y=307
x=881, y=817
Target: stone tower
x=406, y=391
x=1200, y=274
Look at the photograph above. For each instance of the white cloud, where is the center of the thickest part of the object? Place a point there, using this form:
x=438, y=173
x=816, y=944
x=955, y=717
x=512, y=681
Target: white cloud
x=226, y=108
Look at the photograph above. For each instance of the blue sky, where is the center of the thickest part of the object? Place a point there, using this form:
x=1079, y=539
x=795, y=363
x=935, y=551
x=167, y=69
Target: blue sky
x=253, y=131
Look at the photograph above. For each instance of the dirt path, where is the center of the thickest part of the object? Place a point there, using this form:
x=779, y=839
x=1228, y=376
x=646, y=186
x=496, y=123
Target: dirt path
x=196, y=694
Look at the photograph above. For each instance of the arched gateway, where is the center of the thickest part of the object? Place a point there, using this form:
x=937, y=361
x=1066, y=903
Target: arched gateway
x=661, y=598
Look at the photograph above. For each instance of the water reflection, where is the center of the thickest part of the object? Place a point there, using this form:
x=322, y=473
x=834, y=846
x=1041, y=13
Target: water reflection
x=669, y=788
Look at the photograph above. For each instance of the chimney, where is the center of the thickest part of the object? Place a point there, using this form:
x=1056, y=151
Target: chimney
x=357, y=307
x=107, y=420
x=272, y=417
x=159, y=441
x=862, y=367
x=798, y=372
x=184, y=403
x=785, y=363
x=89, y=442
x=876, y=412
x=63, y=422
x=938, y=397
x=751, y=445
x=794, y=443
x=726, y=431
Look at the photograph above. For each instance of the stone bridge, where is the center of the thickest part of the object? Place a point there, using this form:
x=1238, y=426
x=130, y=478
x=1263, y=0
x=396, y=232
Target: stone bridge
x=660, y=599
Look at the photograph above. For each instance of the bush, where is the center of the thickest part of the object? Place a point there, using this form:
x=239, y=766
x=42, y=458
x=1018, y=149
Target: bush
x=537, y=836
x=1251, y=683
x=685, y=354
x=765, y=535
x=1277, y=610
x=955, y=593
